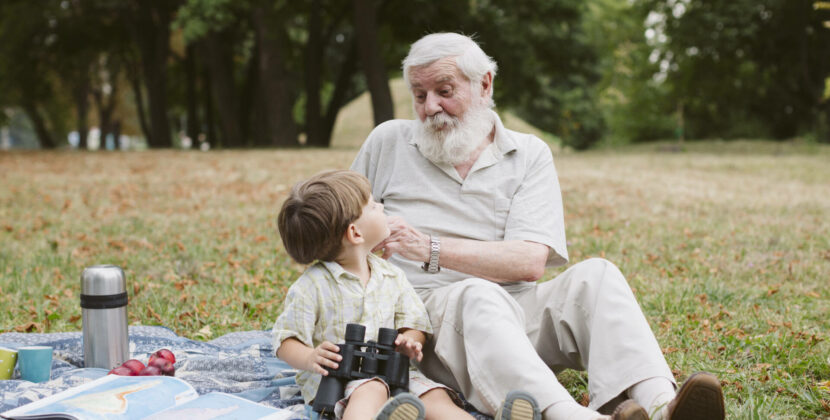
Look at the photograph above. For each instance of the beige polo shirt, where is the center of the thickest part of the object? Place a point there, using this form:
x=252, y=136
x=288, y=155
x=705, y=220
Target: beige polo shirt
x=511, y=193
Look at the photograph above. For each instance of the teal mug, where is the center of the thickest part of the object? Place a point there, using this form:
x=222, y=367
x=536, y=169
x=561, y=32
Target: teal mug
x=35, y=363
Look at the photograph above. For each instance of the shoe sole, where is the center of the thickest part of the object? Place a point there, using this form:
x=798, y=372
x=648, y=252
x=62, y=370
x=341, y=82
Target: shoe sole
x=700, y=398
x=629, y=410
x=402, y=407
x=519, y=405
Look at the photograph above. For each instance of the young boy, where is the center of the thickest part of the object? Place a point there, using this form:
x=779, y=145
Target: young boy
x=332, y=221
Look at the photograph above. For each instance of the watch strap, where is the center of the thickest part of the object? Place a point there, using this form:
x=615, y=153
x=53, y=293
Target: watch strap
x=432, y=266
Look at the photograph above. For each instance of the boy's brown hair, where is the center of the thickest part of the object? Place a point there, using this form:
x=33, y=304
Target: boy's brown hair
x=315, y=215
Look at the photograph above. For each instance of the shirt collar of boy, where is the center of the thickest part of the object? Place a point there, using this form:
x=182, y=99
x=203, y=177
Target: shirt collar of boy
x=379, y=267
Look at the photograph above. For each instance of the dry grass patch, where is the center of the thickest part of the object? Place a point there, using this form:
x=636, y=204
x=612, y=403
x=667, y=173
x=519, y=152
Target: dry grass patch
x=729, y=254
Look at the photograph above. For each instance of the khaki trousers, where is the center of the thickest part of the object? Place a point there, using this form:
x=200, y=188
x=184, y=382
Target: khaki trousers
x=488, y=341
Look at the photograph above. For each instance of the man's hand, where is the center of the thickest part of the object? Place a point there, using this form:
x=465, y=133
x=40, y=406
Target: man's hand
x=324, y=355
x=405, y=241
x=409, y=347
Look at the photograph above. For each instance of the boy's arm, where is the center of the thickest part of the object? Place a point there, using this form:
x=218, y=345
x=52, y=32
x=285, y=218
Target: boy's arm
x=301, y=356
x=410, y=342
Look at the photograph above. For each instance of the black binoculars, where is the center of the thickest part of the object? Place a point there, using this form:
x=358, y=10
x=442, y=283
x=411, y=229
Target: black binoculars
x=360, y=361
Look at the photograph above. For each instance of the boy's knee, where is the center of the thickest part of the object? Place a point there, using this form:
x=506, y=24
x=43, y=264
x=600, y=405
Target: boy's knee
x=435, y=395
x=373, y=387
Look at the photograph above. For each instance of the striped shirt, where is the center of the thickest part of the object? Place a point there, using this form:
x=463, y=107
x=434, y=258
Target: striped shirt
x=326, y=298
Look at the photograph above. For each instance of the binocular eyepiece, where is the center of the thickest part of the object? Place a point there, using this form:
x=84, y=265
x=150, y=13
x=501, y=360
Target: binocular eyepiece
x=362, y=360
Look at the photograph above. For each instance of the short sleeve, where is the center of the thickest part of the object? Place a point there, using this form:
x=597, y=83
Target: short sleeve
x=536, y=212
x=297, y=317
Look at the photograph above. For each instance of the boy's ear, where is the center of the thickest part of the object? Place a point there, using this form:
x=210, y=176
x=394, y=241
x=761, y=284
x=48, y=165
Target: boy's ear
x=353, y=235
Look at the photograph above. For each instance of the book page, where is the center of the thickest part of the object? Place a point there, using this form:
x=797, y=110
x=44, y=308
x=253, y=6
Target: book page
x=111, y=397
x=217, y=405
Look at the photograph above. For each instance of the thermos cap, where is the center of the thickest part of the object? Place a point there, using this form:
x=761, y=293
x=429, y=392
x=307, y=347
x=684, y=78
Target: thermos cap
x=103, y=280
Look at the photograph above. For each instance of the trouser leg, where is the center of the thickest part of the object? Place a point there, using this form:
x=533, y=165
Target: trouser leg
x=480, y=347
x=587, y=318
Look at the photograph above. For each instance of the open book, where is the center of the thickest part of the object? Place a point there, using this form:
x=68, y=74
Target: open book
x=142, y=397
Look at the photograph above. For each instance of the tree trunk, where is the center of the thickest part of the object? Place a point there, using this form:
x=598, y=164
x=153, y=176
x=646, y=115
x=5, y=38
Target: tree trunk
x=313, y=74
x=192, y=100
x=365, y=23
x=155, y=68
x=134, y=74
x=39, y=123
x=341, y=91
x=116, y=132
x=81, y=94
x=106, y=102
x=276, y=98
x=219, y=57
x=250, y=102
x=150, y=27
x=212, y=138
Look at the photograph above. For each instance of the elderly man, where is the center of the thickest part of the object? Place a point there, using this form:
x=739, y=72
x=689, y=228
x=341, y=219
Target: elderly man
x=477, y=217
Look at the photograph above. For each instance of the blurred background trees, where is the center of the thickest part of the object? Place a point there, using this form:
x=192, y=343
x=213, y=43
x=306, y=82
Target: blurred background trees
x=275, y=73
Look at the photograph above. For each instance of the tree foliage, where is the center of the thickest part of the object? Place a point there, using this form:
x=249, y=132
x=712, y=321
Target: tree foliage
x=275, y=73
x=744, y=68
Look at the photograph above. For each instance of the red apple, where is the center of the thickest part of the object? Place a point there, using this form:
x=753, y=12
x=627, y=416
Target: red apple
x=167, y=354
x=150, y=371
x=164, y=366
x=121, y=371
x=134, y=365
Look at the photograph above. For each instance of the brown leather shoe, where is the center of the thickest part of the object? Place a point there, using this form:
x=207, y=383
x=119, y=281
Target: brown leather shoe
x=629, y=410
x=700, y=398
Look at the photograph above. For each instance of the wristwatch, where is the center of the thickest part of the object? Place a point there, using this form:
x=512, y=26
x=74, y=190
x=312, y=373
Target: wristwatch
x=432, y=266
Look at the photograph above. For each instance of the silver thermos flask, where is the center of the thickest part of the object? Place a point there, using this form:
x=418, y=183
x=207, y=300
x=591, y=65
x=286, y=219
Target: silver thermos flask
x=104, y=312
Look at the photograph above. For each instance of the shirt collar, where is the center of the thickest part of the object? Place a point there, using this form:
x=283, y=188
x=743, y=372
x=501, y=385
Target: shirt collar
x=502, y=139
x=377, y=265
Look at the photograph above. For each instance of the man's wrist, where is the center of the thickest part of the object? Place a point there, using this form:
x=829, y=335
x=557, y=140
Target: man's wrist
x=431, y=265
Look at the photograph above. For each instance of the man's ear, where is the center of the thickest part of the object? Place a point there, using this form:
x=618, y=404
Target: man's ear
x=487, y=85
x=353, y=235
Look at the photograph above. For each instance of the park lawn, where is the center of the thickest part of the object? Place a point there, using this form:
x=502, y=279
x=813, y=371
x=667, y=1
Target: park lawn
x=726, y=246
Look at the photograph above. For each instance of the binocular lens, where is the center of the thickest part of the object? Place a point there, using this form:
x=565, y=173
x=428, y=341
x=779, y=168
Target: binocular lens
x=355, y=333
x=386, y=336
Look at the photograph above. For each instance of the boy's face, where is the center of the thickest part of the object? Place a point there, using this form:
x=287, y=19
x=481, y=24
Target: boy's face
x=372, y=223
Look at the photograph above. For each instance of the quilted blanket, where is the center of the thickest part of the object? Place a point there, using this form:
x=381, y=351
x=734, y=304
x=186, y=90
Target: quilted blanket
x=239, y=363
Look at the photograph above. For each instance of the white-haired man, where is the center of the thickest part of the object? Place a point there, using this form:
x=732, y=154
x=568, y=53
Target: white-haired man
x=478, y=217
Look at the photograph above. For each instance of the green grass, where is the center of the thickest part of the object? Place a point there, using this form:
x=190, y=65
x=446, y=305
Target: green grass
x=728, y=253
x=726, y=246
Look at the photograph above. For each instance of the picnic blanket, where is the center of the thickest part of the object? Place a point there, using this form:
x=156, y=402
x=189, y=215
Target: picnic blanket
x=238, y=363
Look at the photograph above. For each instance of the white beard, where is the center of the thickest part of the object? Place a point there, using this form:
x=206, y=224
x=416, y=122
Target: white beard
x=458, y=140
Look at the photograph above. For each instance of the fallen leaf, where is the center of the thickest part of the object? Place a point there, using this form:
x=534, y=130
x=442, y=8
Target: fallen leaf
x=151, y=313
x=28, y=327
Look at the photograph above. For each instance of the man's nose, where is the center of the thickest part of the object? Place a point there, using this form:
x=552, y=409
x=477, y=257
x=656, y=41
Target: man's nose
x=432, y=104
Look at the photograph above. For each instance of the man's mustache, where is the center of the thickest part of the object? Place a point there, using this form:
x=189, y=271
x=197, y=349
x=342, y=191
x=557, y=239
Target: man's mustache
x=441, y=120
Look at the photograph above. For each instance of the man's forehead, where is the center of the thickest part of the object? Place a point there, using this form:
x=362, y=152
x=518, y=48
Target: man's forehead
x=441, y=71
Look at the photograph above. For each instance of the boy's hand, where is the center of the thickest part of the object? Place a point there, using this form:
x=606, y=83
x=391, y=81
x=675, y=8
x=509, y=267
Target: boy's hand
x=323, y=356
x=409, y=347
